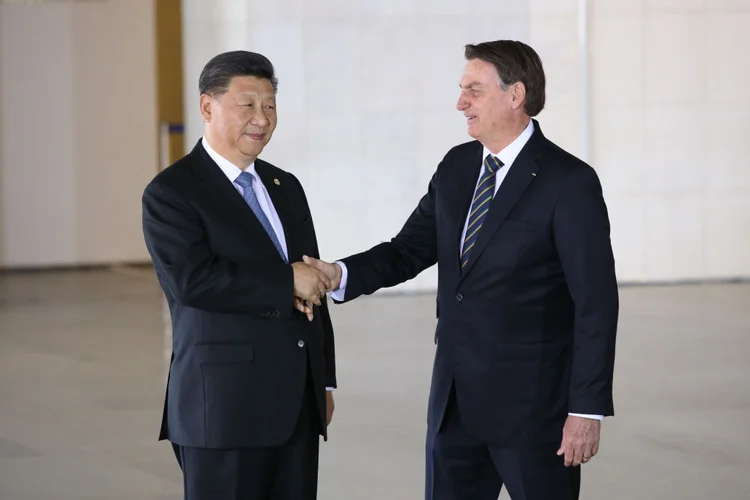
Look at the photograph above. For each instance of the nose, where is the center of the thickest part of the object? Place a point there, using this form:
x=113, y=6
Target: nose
x=259, y=118
x=462, y=103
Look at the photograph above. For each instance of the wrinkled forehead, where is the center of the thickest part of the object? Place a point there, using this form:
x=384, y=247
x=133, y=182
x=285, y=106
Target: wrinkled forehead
x=478, y=73
x=250, y=87
x=467, y=84
x=255, y=95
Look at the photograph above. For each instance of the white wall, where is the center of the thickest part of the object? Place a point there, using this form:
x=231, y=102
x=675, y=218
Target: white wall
x=671, y=117
x=367, y=111
x=366, y=97
x=2, y=205
x=367, y=101
x=79, y=134
x=669, y=111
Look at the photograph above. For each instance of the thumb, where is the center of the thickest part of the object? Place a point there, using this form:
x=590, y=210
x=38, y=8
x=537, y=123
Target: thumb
x=310, y=261
x=561, y=451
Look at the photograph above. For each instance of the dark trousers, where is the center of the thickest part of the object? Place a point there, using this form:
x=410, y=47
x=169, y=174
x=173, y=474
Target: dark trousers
x=287, y=472
x=464, y=468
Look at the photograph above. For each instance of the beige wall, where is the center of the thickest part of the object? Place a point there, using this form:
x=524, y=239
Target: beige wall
x=2, y=190
x=669, y=110
x=79, y=122
x=671, y=117
x=366, y=99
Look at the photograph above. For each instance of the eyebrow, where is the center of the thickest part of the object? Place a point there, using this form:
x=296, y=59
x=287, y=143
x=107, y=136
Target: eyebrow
x=470, y=85
x=265, y=97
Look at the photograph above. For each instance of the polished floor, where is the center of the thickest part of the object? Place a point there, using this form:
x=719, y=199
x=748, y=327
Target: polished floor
x=82, y=373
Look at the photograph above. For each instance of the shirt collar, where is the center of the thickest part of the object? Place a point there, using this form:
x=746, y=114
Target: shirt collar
x=231, y=170
x=509, y=154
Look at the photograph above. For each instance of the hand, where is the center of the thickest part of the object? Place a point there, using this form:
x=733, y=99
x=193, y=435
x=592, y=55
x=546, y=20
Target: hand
x=332, y=271
x=305, y=307
x=580, y=440
x=309, y=283
x=330, y=406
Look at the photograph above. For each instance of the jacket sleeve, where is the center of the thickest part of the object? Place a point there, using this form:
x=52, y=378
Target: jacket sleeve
x=410, y=252
x=196, y=277
x=582, y=237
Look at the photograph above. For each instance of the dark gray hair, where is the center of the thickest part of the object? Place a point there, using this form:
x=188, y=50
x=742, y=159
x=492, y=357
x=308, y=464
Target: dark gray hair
x=220, y=70
x=515, y=62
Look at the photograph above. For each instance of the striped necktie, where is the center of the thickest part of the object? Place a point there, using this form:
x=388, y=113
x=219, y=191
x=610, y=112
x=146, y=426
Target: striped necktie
x=246, y=180
x=480, y=206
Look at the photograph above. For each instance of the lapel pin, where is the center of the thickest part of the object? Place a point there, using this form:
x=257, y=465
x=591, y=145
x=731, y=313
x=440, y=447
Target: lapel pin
x=276, y=181
x=533, y=174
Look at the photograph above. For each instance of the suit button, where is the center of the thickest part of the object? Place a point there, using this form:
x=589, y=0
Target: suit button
x=459, y=297
x=301, y=343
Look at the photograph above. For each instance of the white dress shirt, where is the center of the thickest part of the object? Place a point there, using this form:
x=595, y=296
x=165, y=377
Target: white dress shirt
x=232, y=172
x=507, y=156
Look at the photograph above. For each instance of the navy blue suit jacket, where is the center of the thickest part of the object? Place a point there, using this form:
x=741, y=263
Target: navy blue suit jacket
x=526, y=330
x=241, y=351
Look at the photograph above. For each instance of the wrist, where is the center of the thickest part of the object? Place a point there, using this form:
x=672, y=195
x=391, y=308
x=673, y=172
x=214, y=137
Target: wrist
x=339, y=275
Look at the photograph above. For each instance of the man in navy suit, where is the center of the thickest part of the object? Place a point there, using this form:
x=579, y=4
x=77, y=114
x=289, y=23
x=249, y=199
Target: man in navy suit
x=527, y=299
x=246, y=399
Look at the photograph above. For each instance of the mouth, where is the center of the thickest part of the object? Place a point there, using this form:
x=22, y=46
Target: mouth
x=256, y=137
x=470, y=119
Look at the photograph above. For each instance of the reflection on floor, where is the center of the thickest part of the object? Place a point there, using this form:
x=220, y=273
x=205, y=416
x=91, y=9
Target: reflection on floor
x=82, y=374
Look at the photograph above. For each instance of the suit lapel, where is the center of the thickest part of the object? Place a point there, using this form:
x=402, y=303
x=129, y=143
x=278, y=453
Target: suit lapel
x=279, y=194
x=229, y=199
x=464, y=186
x=519, y=177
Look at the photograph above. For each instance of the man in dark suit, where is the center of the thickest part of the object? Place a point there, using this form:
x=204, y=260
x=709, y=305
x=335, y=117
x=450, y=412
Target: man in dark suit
x=527, y=296
x=246, y=398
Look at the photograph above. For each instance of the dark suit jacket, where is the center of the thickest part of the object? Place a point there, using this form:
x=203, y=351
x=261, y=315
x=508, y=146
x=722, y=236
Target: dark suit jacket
x=240, y=349
x=527, y=329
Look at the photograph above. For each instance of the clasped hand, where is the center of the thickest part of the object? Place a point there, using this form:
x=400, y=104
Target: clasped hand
x=313, y=278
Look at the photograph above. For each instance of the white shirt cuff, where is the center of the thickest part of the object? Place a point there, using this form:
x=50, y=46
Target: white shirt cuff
x=583, y=415
x=330, y=388
x=340, y=292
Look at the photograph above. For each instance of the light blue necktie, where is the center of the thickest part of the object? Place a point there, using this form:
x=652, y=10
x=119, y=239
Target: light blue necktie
x=246, y=181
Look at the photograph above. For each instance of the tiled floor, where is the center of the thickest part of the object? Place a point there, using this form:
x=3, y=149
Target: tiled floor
x=82, y=372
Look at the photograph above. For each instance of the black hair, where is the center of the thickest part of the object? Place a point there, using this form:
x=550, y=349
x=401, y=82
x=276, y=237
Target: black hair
x=220, y=70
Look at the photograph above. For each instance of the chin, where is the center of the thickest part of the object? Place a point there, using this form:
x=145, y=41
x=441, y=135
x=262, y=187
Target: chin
x=252, y=149
x=252, y=153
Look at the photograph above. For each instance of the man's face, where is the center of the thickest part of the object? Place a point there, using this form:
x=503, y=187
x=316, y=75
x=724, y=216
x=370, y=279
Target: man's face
x=486, y=106
x=240, y=122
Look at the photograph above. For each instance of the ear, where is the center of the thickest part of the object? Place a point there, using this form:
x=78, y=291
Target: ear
x=205, y=107
x=518, y=93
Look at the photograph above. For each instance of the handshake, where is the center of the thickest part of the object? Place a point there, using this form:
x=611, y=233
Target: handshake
x=313, y=278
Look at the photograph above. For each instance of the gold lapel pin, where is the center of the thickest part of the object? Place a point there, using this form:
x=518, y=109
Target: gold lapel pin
x=276, y=181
